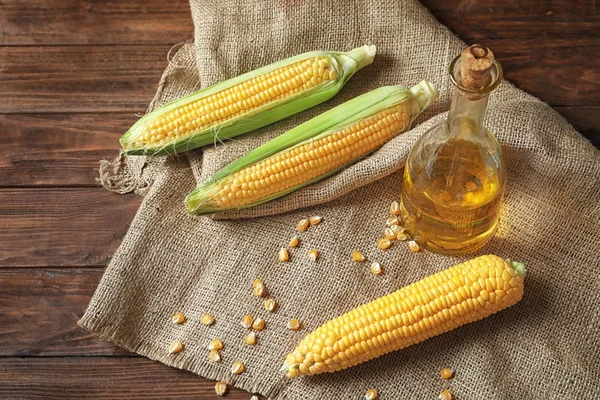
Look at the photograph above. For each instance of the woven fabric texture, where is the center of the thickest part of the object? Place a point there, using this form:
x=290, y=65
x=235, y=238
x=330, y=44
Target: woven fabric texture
x=545, y=347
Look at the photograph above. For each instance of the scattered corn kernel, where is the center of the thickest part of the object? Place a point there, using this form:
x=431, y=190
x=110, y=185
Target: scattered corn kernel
x=214, y=356
x=247, y=321
x=259, y=288
x=395, y=208
x=294, y=325
x=446, y=373
x=396, y=229
x=413, y=246
x=401, y=236
x=358, y=256
x=175, y=347
x=257, y=282
x=270, y=305
x=393, y=220
x=254, y=398
x=215, y=344
x=371, y=394
x=221, y=388
x=446, y=395
x=259, y=324
x=302, y=225
x=237, y=368
x=283, y=255
x=250, y=338
x=207, y=319
x=376, y=269
x=178, y=318
x=313, y=254
x=316, y=220
x=384, y=243
x=294, y=242
x=389, y=233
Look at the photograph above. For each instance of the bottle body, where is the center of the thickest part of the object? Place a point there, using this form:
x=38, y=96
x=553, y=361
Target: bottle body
x=454, y=180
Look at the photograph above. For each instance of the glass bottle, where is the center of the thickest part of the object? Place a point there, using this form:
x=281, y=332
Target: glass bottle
x=454, y=178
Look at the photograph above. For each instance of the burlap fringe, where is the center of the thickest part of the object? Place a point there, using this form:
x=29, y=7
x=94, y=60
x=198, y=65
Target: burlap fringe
x=120, y=176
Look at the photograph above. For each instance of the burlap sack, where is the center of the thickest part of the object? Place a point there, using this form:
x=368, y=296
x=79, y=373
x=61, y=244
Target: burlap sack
x=545, y=347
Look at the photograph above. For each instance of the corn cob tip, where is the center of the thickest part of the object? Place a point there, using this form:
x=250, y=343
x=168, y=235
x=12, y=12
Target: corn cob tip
x=519, y=267
x=425, y=93
x=287, y=369
x=363, y=55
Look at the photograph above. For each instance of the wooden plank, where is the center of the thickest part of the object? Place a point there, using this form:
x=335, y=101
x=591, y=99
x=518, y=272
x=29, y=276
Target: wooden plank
x=518, y=19
x=39, y=310
x=50, y=150
x=124, y=78
x=51, y=22
x=560, y=72
x=63, y=79
x=62, y=227
x=102, y=378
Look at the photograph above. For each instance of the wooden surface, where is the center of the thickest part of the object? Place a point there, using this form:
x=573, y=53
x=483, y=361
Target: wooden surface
x=73, y=76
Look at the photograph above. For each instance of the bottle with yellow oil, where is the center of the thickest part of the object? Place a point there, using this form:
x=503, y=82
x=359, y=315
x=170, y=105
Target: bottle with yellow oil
x=454, y=178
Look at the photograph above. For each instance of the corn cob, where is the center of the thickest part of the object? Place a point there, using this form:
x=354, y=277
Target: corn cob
x=245, y=103
x=314, y=150
x=439, y=303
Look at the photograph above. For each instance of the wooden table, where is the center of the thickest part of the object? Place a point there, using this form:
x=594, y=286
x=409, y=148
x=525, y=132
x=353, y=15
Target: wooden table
x=73, y=76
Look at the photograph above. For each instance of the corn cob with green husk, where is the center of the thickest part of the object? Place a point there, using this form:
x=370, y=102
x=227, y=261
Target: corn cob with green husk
x=246, y=102
x=313, y=150
x=436, y=304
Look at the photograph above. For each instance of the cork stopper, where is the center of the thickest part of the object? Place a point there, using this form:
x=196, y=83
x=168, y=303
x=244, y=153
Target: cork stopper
x=476, y=62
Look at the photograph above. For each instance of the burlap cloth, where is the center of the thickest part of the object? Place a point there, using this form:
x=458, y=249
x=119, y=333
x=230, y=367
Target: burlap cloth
x=545, y=347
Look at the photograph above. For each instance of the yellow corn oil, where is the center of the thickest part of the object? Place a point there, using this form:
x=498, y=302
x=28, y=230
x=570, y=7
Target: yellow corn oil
x=454, y=178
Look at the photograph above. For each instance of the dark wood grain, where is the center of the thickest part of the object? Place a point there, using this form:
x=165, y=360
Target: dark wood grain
x=39, y=310
x=62, y=227
x=50, y=150
x=102, y=378
x=518, y=19
x=57, y=22
x=59, y=79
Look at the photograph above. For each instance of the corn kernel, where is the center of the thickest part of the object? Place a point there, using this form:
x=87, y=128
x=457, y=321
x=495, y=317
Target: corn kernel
x=294, y=325
x=215, y=344
x=358, y=256
x=384, y=243
x=376, y=269
x=393, y=220
x=214, y=356
x=259, y=291
x=257, y=282
x=254, y=398
x=446, y=373
x=371, y=394
x=302, y=225
x=247, y=321
x=389, y=233
x=313, y=254
x=395, y=208
x=259, y=324
x=413, y=246
x=221, y=388
x=283, y=255
x=178, y=318
x=250, y=339
x=270, y=305
x=316, y=220
x=446, y=395
x=294, y=242
x=207, y=319
x=401, y=236
x=237, y=368
x=175, y=347
x=396, y=229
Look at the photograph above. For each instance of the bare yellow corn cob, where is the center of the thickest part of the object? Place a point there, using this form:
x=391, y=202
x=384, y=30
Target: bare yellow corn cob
x=439, y=303
x=332, y=140
x=246, y=102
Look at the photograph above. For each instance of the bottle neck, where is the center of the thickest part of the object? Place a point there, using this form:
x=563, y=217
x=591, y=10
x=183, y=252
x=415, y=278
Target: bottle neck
x=467, y=113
